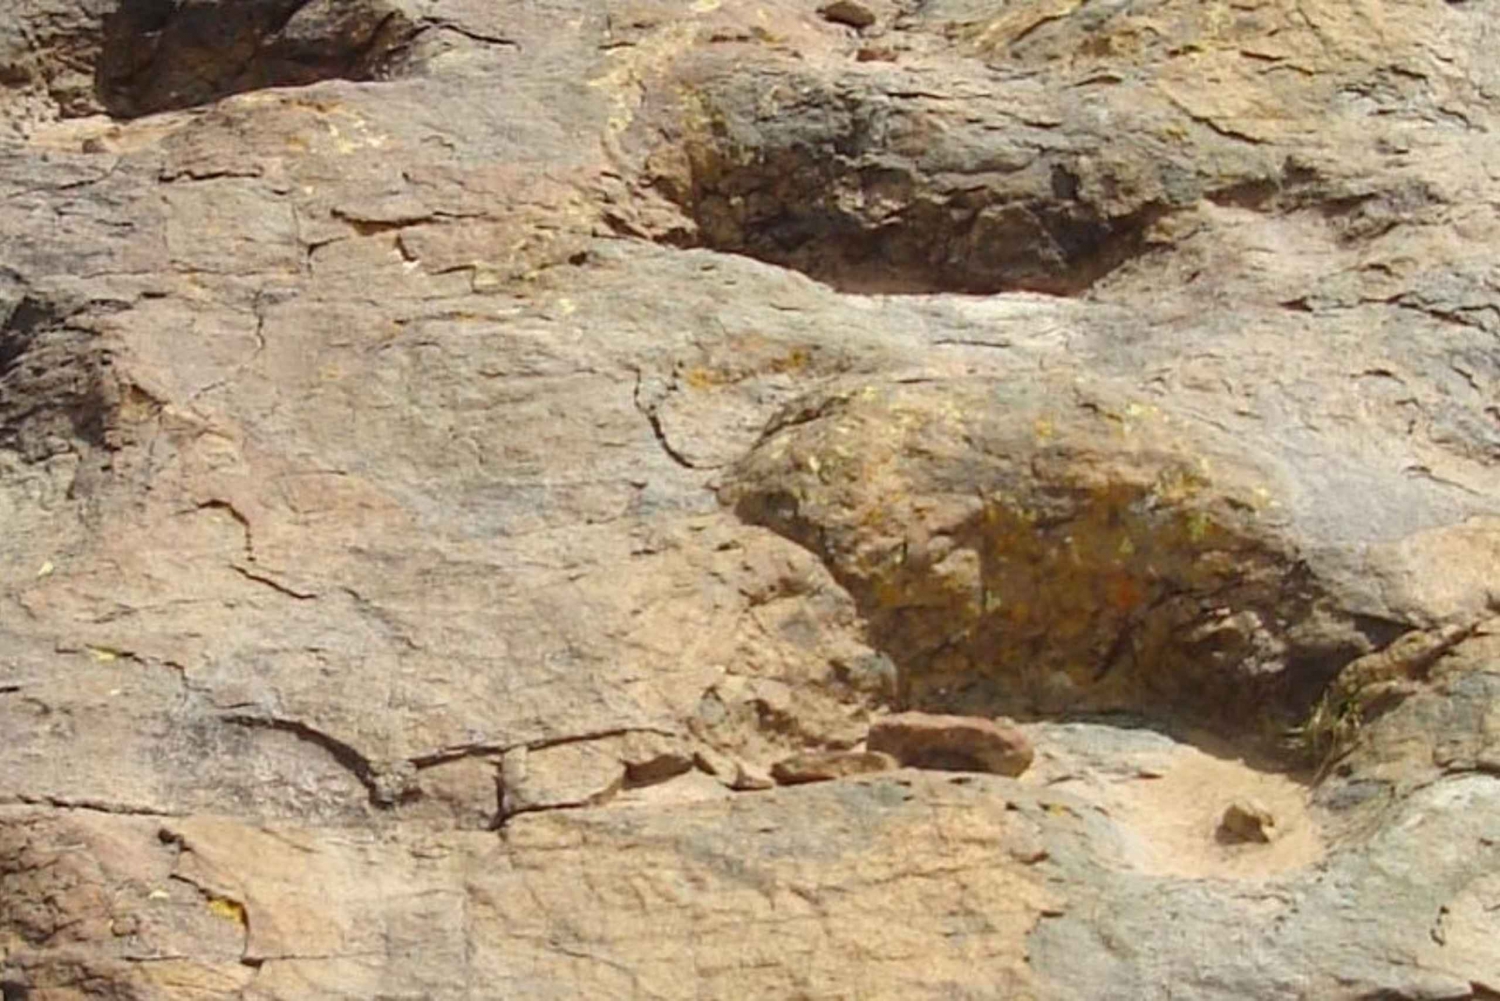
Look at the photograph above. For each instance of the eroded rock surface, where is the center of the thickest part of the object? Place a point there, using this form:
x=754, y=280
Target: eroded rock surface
x=452, y=452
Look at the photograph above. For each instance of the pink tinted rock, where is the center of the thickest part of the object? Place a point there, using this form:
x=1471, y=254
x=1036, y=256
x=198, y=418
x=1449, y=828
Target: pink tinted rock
x=952, y=743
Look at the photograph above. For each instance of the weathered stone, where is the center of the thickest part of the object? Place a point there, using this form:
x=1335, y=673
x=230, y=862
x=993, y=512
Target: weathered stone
x=417, y=418
x=952, y=743
x=1246, y=821
x=851, y=12
x=825, y=766
x=565, y=775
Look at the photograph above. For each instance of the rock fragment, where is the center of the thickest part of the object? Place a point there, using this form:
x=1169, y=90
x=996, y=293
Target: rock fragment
x=851, y=12
x=1246, y=821
x=952, y=743
x=824, y=766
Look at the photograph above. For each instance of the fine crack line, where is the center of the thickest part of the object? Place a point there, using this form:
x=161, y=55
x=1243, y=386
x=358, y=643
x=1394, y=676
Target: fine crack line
x=90, y=805
x=270, y=582
x=228, y=506
x=652, y=418
x=469, y=33
x=385, y=788
x=488, y=749
x=969, y=342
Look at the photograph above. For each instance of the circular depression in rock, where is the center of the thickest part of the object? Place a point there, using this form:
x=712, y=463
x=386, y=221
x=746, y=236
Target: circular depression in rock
x=1015, y=554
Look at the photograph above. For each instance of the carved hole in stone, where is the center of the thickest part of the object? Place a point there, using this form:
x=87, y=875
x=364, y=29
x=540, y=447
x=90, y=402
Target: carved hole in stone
x=833, y=189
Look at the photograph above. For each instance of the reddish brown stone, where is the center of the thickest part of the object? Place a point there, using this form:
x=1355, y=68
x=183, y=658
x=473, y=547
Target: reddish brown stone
x=952, y=743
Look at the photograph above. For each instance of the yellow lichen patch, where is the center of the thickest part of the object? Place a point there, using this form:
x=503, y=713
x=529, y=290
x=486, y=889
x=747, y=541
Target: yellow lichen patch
x=1197, y=524
x=701, y=378
x=229, y=910
x=648, y=57
x=795, y=360
x=1178, y=484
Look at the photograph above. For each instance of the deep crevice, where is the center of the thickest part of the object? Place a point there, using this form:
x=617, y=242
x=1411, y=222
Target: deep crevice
x=160, y=55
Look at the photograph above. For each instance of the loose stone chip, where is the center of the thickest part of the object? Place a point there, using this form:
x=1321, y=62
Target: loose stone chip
x=1246, y=821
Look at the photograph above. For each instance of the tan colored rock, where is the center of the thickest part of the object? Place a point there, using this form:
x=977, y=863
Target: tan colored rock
x=1246, y=821
x=750, y=778
x=573, y=774
x=825, y=766
x=952, y=743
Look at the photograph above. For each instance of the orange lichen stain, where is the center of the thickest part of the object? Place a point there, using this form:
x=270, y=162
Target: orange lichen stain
x=698, y=377
x=1123, y=591
x=701, y=377
x=229, y=910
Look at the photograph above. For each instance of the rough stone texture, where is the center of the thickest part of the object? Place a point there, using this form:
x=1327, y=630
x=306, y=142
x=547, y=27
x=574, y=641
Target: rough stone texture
x=450, y=451
x=953, y=743
x=826, y=766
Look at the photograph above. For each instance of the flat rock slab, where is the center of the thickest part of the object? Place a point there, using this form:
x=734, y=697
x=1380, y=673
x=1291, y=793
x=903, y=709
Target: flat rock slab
x=952, y=743
x=825, y=766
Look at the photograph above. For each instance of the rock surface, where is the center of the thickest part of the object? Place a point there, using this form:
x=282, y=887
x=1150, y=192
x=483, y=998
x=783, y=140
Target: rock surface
x=952, y=743
x=826, y=766
x=450, y=451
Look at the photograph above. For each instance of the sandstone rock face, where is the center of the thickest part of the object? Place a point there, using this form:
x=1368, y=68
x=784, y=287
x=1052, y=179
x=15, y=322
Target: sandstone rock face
x=452, y=451
x=956, y=743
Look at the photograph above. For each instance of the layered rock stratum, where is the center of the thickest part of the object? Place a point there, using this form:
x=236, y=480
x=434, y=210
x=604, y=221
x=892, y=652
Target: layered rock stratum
x=456, y=454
